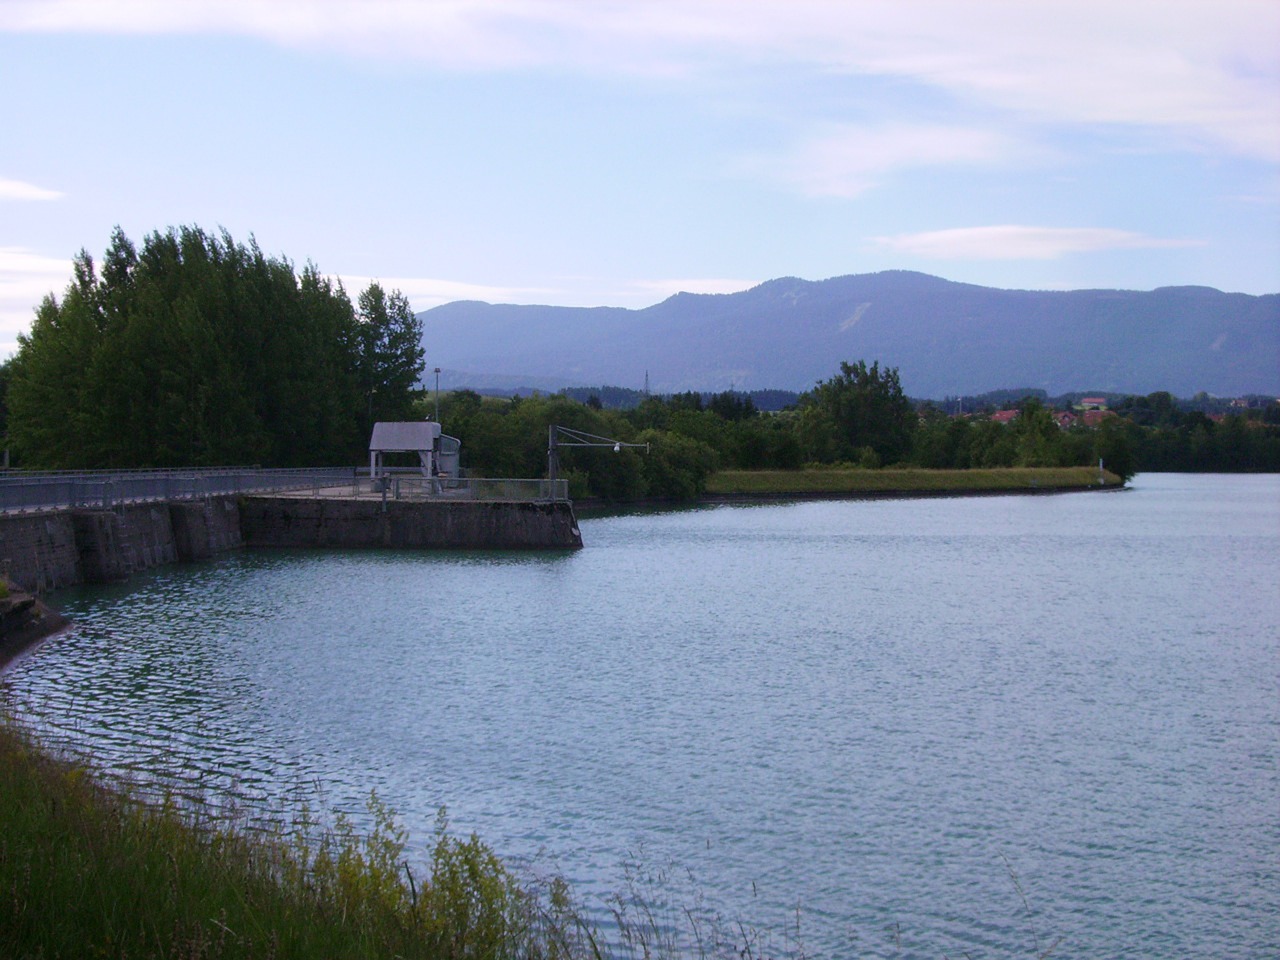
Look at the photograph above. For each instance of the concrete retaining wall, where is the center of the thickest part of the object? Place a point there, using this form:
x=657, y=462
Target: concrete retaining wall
x=292, y=522
x=205, y=528
x=61, y=548
x=38, y=552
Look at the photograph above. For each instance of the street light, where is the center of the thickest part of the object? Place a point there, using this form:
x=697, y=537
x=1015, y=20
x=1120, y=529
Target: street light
x=437, y=394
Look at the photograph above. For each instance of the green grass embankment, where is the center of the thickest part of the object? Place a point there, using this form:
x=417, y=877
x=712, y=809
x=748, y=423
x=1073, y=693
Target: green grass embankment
x=907, y=482
x=88, y=871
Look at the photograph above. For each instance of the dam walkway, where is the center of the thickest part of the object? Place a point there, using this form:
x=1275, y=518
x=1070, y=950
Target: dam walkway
x=22, y=492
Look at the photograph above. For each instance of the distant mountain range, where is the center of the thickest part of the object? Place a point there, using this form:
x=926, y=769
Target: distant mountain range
x=945, y=338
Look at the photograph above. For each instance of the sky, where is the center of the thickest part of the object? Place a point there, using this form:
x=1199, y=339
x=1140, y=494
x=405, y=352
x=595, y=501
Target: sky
x=613, y=152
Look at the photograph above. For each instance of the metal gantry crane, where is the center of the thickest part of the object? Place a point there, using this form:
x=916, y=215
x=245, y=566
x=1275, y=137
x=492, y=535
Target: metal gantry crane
x=577, y=438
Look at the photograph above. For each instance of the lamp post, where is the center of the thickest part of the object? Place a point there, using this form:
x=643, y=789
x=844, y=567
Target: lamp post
x=437, y=394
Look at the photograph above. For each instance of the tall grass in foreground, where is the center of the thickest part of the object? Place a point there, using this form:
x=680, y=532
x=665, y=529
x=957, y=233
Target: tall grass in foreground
x=90, y=871
x=87, y=871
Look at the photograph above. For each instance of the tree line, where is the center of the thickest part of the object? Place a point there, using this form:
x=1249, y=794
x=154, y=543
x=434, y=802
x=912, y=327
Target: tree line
x=1167, y=437
x=197, y=350
x=857, y=419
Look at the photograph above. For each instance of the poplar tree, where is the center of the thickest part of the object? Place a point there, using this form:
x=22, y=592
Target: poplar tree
x=391, y=353
x=196, y=350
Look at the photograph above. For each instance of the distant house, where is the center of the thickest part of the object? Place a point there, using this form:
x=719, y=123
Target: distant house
x=1091, y=418
x=1004, y=416
x=1065, y=419
x=1092, y=403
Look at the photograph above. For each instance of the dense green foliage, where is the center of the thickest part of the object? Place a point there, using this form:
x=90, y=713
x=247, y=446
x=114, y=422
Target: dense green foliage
x=1033, y=439
x=859, y=418
x=859, y=414
x=1165, y=437
x=625, y=398
x=198, y=351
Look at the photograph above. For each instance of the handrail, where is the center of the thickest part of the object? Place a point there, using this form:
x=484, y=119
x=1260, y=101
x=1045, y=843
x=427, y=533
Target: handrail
x=106, y=489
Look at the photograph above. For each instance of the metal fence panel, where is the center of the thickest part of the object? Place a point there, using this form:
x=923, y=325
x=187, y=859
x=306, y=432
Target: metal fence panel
x=475, y=488
x=107, y=489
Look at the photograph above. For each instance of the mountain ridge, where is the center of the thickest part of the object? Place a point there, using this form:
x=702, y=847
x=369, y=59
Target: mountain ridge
x=945, y=337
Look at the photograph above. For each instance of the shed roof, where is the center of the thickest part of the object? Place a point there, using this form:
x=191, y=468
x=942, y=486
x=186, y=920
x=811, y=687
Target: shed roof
x=404, y=436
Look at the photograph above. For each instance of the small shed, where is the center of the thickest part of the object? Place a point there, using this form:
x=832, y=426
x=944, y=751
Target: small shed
x=417, y=436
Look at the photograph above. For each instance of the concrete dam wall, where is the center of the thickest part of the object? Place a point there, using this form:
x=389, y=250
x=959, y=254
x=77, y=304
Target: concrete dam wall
x=61, y=548
x=52, y=549
x=406, y=524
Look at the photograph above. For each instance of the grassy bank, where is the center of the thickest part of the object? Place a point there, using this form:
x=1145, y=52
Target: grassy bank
x=852, y=482
x=87, y=871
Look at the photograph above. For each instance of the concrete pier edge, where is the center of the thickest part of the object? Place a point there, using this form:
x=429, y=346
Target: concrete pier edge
x=52, y=549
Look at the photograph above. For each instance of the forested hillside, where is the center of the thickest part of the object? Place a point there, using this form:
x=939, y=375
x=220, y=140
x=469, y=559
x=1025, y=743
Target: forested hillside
x=946, y=338
x=196, y=350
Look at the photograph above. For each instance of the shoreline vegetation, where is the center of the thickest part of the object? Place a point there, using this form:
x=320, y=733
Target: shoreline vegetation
x=831, y=483
x=905, y=482
x=91, y=869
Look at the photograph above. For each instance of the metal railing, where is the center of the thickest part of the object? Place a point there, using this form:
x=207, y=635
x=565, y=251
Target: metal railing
x=408, y=486
x=476, y=488
x=106, y=489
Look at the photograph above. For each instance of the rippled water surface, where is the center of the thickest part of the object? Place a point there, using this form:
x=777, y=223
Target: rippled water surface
x=961, y=726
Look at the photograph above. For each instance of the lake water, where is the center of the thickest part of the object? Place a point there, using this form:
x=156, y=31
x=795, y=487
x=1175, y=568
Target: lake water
x=916, y=728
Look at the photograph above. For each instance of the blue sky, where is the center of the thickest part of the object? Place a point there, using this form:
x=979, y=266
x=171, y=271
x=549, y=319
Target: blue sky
x=612, y=152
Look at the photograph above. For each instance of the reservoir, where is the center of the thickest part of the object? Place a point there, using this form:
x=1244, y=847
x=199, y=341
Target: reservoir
x=892, y=728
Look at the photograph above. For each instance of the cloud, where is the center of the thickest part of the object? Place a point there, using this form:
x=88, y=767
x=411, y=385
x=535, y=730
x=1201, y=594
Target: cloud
x=1206, y=72
x=20, y=190
x=846, y=161
x=25, y=279
x=22, y=271
x=1012, y=242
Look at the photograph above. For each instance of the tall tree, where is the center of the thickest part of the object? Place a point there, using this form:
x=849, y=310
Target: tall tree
x=391, y=352
x=868, y=408
x=196, y=350
x=51, y=420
